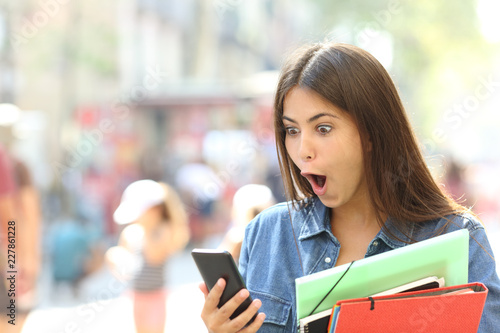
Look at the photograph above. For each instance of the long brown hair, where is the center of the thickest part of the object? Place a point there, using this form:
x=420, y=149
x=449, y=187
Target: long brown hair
x=399, y=182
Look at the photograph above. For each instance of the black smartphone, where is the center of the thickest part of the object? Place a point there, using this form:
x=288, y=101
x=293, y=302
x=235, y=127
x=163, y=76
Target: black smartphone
x=216, y=264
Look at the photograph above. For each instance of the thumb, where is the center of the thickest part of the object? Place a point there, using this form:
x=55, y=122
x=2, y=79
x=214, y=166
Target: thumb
x=203, y=288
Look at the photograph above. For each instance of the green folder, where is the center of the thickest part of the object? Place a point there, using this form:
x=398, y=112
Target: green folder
x=442, y=256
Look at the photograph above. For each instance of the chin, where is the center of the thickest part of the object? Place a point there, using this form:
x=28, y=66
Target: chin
x=330, y=202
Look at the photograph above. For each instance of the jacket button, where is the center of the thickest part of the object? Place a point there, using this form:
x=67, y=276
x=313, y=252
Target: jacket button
x=328, y=260
x=375, y=243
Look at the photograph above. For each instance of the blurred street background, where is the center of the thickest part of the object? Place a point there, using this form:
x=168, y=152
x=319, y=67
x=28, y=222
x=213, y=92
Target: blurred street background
x=96, y=95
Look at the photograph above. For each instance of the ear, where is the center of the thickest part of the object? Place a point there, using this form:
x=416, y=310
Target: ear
x=367, y=142
x=369, y=145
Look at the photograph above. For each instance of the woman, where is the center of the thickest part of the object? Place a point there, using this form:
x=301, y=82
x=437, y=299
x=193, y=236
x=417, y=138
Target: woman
x=357, y=183
x=158, y=229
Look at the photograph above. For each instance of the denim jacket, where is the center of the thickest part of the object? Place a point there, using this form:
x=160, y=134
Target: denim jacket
x=269, y=262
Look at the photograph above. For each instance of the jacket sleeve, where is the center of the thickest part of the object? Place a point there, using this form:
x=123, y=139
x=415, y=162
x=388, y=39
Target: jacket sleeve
x=243, y=261
x=245, y=250
x=482, y=268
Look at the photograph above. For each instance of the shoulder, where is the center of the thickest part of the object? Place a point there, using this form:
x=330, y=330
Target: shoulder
x=274, y=211
x=280, y=214
x=468, y=221
x=446, y=224
x=270, y=228
x=463, y=220
x=269, y=218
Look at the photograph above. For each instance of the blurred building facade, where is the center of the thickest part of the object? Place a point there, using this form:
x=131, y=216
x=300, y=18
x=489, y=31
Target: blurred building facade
x=134, y=89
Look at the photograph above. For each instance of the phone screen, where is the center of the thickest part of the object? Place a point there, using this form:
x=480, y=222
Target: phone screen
x=216, y=264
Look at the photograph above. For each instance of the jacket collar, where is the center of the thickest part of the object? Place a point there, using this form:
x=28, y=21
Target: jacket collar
x=399, y=238
x=316, y=219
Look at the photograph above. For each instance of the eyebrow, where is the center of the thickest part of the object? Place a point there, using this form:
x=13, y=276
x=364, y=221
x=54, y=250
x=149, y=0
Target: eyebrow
x=313, y=118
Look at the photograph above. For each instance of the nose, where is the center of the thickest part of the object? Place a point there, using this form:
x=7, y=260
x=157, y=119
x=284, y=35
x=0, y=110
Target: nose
x=306, y=150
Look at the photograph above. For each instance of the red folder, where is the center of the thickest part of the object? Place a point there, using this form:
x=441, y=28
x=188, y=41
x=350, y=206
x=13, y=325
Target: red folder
x=447, y=309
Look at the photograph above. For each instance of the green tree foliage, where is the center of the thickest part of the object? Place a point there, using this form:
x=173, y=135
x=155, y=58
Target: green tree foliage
x=439, y=54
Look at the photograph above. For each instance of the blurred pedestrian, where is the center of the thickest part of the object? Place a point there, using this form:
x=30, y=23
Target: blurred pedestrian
x=27, y=204
x=248, y=201
x=25, y=213
x=158, y=228
x=201, y=190
x=71, y=254
x=455, y=183
x=7, y=213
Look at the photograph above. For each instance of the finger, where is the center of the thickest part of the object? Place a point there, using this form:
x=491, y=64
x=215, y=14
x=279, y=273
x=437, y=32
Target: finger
x=255, y=325
x=209, y=311
x=213, y=297
x=230, y=306
x=244, y=318
x=203, y=288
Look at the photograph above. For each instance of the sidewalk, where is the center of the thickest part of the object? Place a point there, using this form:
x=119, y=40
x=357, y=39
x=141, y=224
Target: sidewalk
x=115, y=315
x=102, y=307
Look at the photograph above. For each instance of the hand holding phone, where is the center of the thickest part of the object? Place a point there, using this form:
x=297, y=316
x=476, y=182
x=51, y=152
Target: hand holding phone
x=216, y=264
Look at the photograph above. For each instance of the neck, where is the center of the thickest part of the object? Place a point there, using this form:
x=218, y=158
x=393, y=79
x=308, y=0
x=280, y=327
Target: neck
x=357, y=216
x=354, y=225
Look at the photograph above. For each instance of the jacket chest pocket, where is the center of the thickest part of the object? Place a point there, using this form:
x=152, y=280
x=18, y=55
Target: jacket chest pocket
x=277, y=311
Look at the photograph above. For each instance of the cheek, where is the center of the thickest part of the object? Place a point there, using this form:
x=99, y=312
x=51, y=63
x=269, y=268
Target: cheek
x=356, y=167
x=290, y=150
x=349, y=162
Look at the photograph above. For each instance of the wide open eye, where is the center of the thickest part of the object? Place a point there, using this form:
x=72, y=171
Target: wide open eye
x=291, y=130
x=324, y=129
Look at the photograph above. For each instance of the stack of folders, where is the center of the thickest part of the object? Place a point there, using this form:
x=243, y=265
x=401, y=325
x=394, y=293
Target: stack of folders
x=395, y=291
x=421, y=306
x=448, y=309
x=320, y=322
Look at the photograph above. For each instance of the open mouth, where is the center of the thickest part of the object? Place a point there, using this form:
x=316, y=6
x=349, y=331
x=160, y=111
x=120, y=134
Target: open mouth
x=318, y=182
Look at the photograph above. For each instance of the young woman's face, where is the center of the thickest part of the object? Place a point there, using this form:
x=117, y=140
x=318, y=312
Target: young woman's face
x=324, y=143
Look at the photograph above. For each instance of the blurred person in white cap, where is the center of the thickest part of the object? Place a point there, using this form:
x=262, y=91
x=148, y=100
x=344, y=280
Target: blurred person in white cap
x=248, y=201
x=156, y=228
